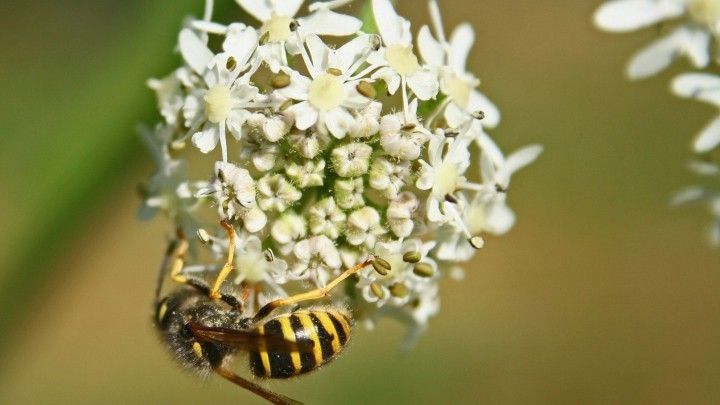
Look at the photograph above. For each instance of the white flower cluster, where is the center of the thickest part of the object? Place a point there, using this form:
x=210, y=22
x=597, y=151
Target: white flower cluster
x=694, y=30
x=335, y=145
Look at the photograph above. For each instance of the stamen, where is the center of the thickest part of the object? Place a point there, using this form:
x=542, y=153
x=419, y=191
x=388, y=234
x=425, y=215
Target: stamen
x=436, y=112
x=295, y=27
x=209, y=5
x=330, y=5
x=374, y=45
x=406, y=106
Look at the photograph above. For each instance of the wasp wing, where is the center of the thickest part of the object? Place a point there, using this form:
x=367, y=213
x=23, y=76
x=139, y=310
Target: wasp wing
x=248, y=339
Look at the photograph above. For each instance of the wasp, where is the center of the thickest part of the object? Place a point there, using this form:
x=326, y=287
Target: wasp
x=203, y=325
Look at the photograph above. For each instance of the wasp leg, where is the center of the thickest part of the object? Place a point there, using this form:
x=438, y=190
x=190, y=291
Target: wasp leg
x=309, y=295
x=273, y=397
x=227, y=268
x=179, y=256
x=176, y=252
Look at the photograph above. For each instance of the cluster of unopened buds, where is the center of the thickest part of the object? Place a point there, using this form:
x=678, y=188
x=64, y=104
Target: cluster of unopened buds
x=692, y=30
x=330, y=145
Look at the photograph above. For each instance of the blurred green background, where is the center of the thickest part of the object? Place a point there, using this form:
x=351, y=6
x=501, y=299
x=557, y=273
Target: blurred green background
x=601, y=294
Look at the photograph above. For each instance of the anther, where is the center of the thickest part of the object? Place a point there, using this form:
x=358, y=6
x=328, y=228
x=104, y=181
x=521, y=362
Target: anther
x=366, y=89
x=377, y=290
x=477, y=242
x=269, y=255
x=375, y=42
x=451, y=199
x=231, y=63
x=204, y=236
x=399, y=290
x=423, y=270
x=478, y=115
x=381, y=266
x=412, y=257
x=177, y=145
x=294, y=25
x=280, y=80
x=334, y=71
x=409, y=126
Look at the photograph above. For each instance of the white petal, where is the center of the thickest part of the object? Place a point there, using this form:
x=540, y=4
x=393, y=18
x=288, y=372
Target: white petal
x=461, y=41
x=241, y=42
x=709, y=138
x=479, y=101
x=270, y=54
x=455, y=116
x=490, y=147
x=338, y=122
x=520, y=159
x=208, y=139
x=689, y=195
x=704, y=168
x=209, y=27
x=196, y=54
x=433, y=211
x=699, y=86
x=658, y=55
x=235, y=121
x=393, y=28
x=298, y=88
x=319, y=52
x=487, y=169
x=431, y=50
x=714, y=235
x=696, y=47
x=326, y=22
x=424, y=84
x=390, y=77
x=305, y=115
x=286, y=7
x=500, y=219
x=260, y=9
x=344, y=57
x=629, y=15
x=254, y=220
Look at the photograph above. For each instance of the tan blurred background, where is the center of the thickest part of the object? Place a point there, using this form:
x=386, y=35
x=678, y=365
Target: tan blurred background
x=601, y=294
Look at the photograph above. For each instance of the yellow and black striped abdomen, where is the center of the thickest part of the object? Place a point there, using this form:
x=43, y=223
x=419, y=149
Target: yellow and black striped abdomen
x=328, y=330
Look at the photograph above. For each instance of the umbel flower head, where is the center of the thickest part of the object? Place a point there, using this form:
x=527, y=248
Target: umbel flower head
x=335, y=146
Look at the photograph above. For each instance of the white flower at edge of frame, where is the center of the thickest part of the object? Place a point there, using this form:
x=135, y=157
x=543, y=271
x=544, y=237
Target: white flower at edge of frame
x=689, y=38
x=703, y=87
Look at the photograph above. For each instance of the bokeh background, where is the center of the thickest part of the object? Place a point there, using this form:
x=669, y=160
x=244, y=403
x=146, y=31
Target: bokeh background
x=601, y=294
